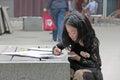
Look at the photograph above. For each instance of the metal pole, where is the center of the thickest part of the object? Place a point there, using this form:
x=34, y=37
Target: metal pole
x=104, y=8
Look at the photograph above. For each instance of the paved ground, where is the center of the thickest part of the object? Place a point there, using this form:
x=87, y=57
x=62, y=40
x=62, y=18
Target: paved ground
x=110, y=50
x=109, y=36
x=20, y=37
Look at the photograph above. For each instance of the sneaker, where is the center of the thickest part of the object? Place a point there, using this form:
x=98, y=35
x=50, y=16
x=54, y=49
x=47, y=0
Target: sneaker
x=59, y=40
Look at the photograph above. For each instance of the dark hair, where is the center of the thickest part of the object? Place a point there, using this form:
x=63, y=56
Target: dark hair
x=81, y=23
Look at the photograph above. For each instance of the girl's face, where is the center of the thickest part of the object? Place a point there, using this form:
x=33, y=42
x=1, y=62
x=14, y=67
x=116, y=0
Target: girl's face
x=72, y=32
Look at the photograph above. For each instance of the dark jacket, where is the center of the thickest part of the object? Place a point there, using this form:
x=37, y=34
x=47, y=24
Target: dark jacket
x=93, y=63
x=56, y=4
x=93, y=49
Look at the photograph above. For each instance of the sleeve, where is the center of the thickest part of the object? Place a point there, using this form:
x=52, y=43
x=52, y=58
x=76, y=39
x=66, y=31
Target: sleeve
x=59, y=45
x=94, y=60
x=96, y=6
x=67, y=2
x=48, y=4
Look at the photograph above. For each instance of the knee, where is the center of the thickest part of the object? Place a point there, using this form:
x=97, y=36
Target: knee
x=79, y=72
x=83, y=72
x=88, y=76
x=83, y=75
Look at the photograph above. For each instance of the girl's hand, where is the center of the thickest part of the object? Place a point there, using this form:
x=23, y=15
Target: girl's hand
x=45, y=10
x=57, y=51
x=85, y=54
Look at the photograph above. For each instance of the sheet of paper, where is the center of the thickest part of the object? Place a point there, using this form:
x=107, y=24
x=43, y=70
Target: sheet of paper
x=37, y=54
x=40, y=49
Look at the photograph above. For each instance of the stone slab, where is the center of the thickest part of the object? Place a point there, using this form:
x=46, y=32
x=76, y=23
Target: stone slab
x=35, y=70
x=32, y=23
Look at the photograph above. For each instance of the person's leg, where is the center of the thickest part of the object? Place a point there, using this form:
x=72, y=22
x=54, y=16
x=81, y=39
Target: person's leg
x=54, y=13
x=61, y=16
x=83, y=74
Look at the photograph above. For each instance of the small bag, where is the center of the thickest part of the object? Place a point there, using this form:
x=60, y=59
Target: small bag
x=48, y=22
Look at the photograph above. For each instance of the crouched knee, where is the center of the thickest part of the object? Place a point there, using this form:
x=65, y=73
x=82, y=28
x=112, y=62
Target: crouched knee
x=88, y=76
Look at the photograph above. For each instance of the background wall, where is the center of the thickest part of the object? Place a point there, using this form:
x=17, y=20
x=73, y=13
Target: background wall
x=20, y=8
x=28, y=7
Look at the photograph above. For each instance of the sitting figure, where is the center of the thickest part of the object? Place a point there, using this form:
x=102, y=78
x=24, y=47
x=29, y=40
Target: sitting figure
x=79, y=36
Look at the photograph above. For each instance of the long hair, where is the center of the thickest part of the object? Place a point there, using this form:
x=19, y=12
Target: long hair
x=83, y=26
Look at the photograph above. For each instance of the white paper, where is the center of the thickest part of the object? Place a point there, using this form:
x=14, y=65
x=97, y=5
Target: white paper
x=41, y=49
x=37, y=54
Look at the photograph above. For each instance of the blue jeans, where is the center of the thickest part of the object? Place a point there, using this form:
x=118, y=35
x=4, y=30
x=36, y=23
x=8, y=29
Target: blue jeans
x=58, y=16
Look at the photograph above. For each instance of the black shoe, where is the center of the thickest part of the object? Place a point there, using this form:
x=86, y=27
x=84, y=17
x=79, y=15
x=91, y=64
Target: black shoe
x=54, y=40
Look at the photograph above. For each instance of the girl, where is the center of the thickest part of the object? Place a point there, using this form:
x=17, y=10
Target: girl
x=79, y=36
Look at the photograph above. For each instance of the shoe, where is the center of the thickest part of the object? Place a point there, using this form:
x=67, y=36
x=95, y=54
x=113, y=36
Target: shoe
x=59, y=40
x=54, y=40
